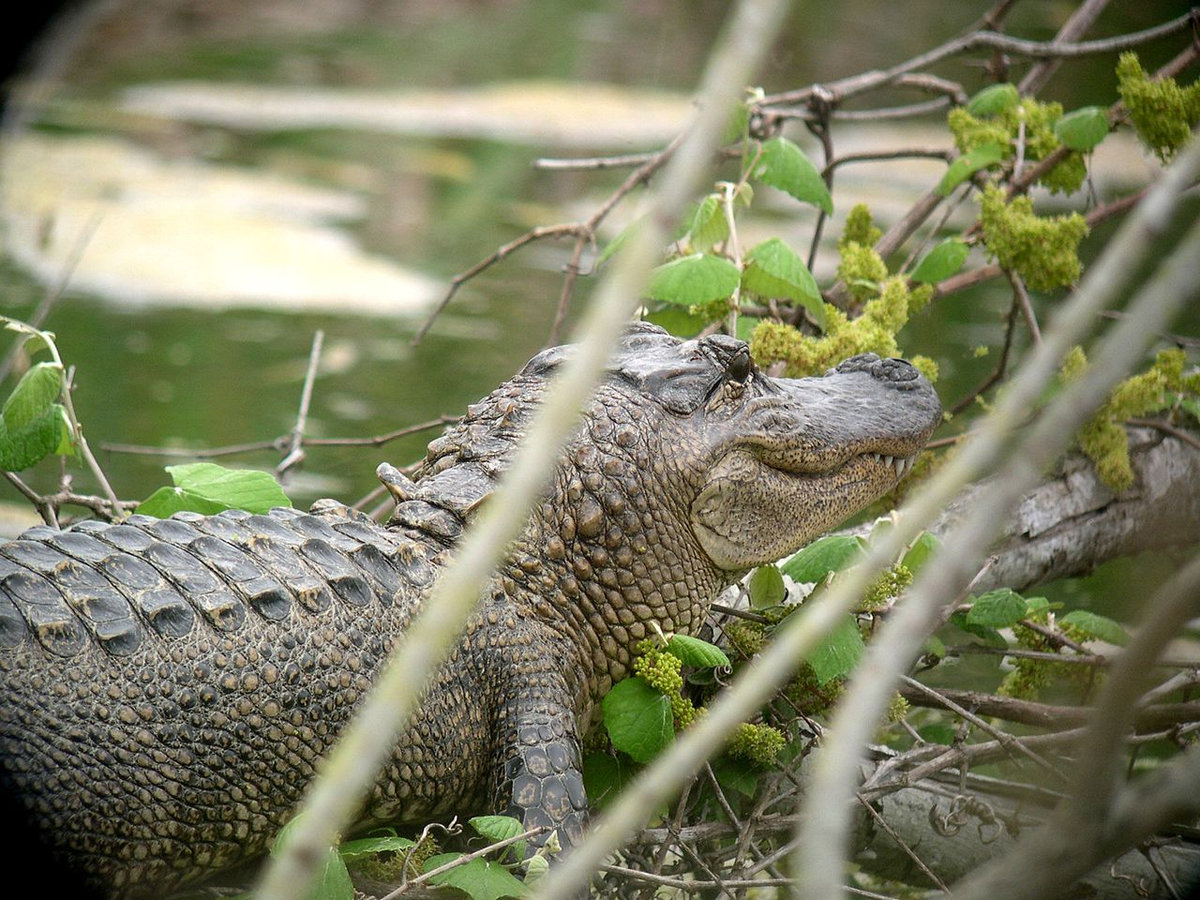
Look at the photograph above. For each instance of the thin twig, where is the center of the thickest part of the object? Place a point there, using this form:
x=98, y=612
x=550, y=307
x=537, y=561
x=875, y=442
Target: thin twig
x=1167, y=428
x=278, y=442
x=295, y=440
x=908, y=851
x=53, y=293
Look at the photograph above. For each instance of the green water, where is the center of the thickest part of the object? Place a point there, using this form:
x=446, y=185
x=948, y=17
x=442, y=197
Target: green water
x=196, y=379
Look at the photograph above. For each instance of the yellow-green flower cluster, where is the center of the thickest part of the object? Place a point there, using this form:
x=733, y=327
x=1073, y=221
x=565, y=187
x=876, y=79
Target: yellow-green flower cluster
x=872, y=332
x=662, y=670
x=1103, y=439
x=810, y=696
x=1162, y=112
x=1004, y=128
x=1029, y=676
x=745, y=638
x=889, y=583
x=759, y=744
x=1043, y=250
x=861, y=268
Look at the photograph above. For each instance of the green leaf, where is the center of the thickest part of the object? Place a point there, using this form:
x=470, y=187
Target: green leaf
x=33, y=396
x=1083, y=128
x=774, y=270
x=1097, y=627
x=1036, y=605
x=937, y=733
x=638, y=719
x=829, y=554
x=23, y=447
x=918, y=554
x=536, y=868
x=605, y=776
x=993, y=100
x=66, y=434
x=941, y=262
x=480, y=879
x=986, y=633
x=998, y=609
x=1191, y=406
x=496, y=828
x=736, y=775
x=678, y=321
x=332, y=881
x=167, y=501
x=839, y=653
x=783, y=165
x=695, y=279
x=766, y=587
x=695, y=652
x=374, y=845
x=967, y=165
x=248, y=489
x=709, y=225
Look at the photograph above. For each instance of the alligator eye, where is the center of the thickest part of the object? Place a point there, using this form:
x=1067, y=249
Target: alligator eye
x=739, y=366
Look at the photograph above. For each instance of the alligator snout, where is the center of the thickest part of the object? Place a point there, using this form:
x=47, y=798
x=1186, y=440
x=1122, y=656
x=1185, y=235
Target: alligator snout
x=892, y=370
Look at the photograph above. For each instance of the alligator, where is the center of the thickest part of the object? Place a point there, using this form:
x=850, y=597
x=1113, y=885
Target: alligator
x=170, y=684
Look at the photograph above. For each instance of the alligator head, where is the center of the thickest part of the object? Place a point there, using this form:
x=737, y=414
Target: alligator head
x=690, y=467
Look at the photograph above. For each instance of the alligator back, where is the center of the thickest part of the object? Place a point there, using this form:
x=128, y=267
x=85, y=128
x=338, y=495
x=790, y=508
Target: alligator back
x=206, y=660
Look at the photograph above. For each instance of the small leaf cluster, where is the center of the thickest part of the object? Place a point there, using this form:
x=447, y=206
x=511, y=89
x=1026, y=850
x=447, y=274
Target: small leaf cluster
x=33, y=423
x=643, y=712
x=1103, y=439
x=1162, y=112
x=994, y=119
x=1043, y=250
x=701, y=283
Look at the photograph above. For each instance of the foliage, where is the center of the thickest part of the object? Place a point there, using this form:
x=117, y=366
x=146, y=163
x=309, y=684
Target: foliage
x=1043, y=250
x=1103, y=438
x=1163, y=113
x=209, y=488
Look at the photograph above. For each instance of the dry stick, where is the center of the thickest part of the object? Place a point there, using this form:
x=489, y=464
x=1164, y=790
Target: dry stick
x=53, y=294
x=885, y=155
x=867, y=81
x=364, y=745
x=1168, y=428
x=294, y=447
x=998, y=373
x=277, y=443
x=900, y=638
x=691, y=887
x=1075, y=27
x=1045, y=715
x=908, y=851
x=44, y=508
x=1047, y=865
x=81, y=441
x=1004, y=738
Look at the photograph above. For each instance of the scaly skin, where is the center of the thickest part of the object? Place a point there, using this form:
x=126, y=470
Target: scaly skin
x=170, y=685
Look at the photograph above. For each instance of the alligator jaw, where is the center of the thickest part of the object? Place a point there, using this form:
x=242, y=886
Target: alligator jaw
x=750, y=512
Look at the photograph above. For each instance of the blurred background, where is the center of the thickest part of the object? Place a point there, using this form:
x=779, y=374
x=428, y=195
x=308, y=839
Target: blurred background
x=210, y=181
